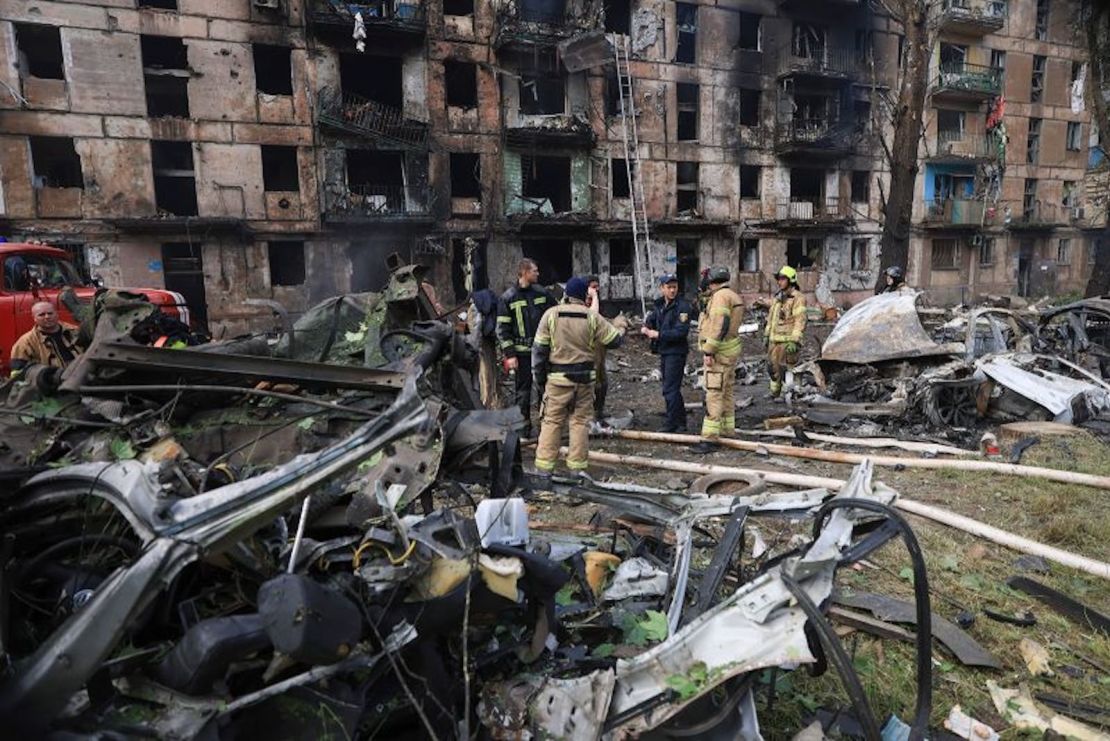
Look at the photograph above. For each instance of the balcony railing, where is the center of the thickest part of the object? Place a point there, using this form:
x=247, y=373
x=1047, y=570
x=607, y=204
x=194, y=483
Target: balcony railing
x=816, y=134
x=818, y=210
x=958, y=212
x=822, y=61
x=961, y=145
x=972, y=80
x=378, y=202
x=973, y=16
x=354, y=114
x=1037, y=215
x=384, y=15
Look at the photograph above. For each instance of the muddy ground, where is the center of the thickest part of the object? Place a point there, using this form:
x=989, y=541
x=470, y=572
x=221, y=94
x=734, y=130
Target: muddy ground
x=964, y=572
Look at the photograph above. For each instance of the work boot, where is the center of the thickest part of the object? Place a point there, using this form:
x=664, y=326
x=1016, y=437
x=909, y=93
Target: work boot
x=705, y=446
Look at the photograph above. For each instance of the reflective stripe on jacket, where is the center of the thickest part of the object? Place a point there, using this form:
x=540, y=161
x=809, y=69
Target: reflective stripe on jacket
x=787, y=320
x=719, y=330
x=518, y=315
x=567, y=337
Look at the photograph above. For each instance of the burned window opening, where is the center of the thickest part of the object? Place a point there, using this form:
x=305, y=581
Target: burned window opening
x=861, y=186
x=175, y=189
x=860, y=248
x=622, y=256
x=618, y=177
x=158, y=4
x=944, y=254
x=950, y=125
x=806, y=183
x=461, y=82
x=618, y=16
x=687, y=125
x=1069, y=193
x=749, y=255
x=986, y=251
x=542, y=94
x=865, y=45
x=372, y=167
x=287, y=262
x=749, y=180
x=164, y=52
x=280, y=171
x=751, y=32
x=546, y=178
x=273, y=69
x=165, y=76
x=688, y=265
x=40, y=51
x=458, y=7
x=542, y=11
x=686, y=186
x=612, y=93
x=952, y=55
x=749, y=106
x=466, y=175
x=803, y=253
x=1040, y=28
x=183, y=272
x=1036, y=82
x=55, y=162
x=1029, y=198
x=1033, y=141
x=1074, y=138
x=998, y=60
x=1063, y=251
x=554, y=258
x=686, y=21
x=167, y=96
x=808, y=41
x=376, y=78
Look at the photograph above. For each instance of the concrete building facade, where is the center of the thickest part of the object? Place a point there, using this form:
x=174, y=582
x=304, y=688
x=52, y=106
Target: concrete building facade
x=281, y=149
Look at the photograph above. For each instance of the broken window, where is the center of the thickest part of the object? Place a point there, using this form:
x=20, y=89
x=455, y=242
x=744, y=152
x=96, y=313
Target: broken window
x=861, y=186
x=40, y=51
x=287, y=263
x=1074, y=136
x=554, y=258
x=749, y=106
x=1063, y=251
x=622, y=256
x=279, y=168
x=55, y=162
x=804, y=252
x=458, y=7
x=952, y=57
x=461, y=81
x=861, y=112
x=686, y=186
x=945, y=254
x=183, y=272
x=546, y=178
x=1033, y=142
x=806, y=184
x=159, y=4
x=749, y=180
x=1040, y=27
x=165, y=76
x=998, y=62
x=986, y=251
x=751, y=32
x=613, y=93
x=175, y=189
x=1070, y=194
x=372, y=77
x=542, y=93
x=686, y=21
x=373, y=171
x=950, y=125
x=860, y=248
x=1029, y=198
x=618, y=177
x=749, y=255
x=618, y=16
x=865, y=44
x=687, y=111
x=808, y=41
x=1036, y=83
x=466, y=175
x=273, y=69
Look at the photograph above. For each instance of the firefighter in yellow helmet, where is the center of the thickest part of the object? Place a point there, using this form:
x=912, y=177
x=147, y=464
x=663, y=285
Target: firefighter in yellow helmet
x=785, y=326
x=719, y=342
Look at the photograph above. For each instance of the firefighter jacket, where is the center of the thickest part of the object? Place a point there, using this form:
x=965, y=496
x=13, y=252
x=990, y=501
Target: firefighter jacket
x=518, y=314
x=719, y=328
x=787, y=320
x=39, y=348
x=672, y=320
x=565, y=343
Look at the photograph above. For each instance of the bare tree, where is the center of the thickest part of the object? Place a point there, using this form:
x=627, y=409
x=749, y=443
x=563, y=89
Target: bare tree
x=1095, y=25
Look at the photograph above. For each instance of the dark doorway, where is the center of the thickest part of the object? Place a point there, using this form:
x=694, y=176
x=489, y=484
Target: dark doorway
x=1025, y=266
x=183, y=271
x=553, y=256
x=376, y=78
x=688, y=263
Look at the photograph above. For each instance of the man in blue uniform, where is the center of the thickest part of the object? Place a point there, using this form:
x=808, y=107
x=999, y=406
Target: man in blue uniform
x=667, y=326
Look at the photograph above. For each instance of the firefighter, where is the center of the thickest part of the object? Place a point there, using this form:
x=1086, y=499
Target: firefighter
x=563, y=360
x=518, y=313
x=894, y=279
x=719, y=342
x=786, y=323
x=50, y=342
x=667, y=325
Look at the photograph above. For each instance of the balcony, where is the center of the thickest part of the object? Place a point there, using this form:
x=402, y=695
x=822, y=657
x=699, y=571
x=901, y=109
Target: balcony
x=824, y=62
x=957, y=147
x=372, y=203
x=557, y=130
x=397, y=18
x=947, y=213
x=348, y=113
x=963, y=81
x=801, y=211
x=816, y=137
x=1036, y=216
x=530, y=24
x=973, y=17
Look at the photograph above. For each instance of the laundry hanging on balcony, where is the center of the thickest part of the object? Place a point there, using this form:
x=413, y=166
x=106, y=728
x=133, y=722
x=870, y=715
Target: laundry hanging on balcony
x=359, y=34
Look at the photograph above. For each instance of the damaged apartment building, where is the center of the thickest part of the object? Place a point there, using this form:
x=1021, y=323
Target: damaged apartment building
x=281, y=149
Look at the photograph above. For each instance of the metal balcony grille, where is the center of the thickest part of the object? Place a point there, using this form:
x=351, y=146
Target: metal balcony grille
x=357, y=115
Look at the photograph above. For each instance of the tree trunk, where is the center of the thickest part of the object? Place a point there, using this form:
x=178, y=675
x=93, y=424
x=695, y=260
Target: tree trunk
x=908, y=117
x=1098, y=33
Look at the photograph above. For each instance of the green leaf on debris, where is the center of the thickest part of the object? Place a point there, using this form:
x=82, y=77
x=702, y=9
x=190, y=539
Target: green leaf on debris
x=122, y=449
x=692, y=682
x=946, y=666
x=370, y=462
x=640, y=632
x=809, y=702
x=48, y=407
x=972, y=582
x=950, y=563
x=907, y=574
x=565, y=596
x=603, y=651
x=306, y=423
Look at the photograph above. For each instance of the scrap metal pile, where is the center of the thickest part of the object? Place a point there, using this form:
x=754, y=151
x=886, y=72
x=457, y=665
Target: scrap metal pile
x=321, y=533
x=880, y=363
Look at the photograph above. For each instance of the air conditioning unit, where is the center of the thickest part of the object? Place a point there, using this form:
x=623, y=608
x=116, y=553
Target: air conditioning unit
x=267, y=4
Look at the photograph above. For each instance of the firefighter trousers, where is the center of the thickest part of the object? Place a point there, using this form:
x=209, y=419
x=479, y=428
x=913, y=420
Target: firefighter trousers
x=560, y=403
x=779, y=361
x=720, y=402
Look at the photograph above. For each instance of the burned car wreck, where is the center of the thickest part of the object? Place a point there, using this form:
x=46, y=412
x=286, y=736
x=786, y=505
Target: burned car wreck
x=880, y=363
